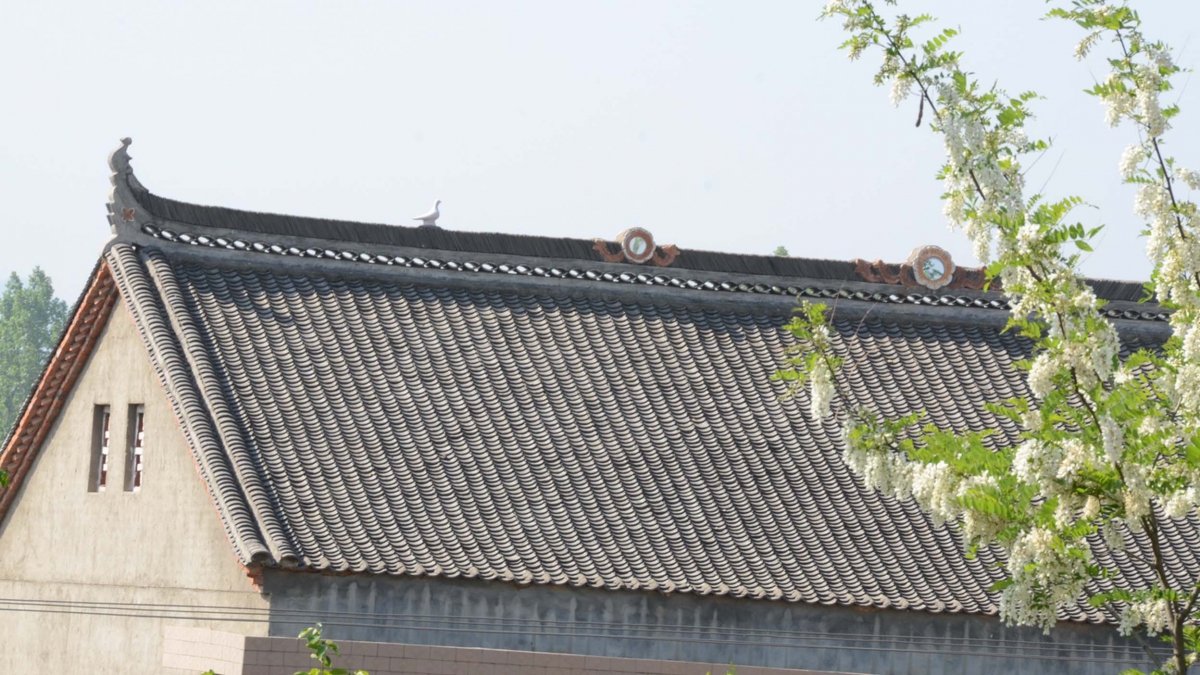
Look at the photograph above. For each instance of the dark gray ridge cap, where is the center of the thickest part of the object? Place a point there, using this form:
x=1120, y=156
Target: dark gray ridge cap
x=431, y=239
x=853, y=301
x=132, y=204
x=228, y=247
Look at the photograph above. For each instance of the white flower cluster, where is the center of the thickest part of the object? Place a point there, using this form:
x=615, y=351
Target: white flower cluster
x=846, y=8
x=1172, y=245
x=1174, y=248
x=1181, y=502
x=1131, y=160
x=1186, y=387
x=1046, y=572
x=901, y=89
x=1149, y=83
x=1086, y=345
x=1155, y=615
x=1188, y=177
x=820, y=377
x=973, y=166
x=934, y=486
x=820, y=391
x=1133, y=448
x=1118, y=104
x=1114, y=440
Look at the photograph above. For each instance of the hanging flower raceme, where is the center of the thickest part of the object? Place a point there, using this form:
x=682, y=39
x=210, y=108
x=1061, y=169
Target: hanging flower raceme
x=1110, y=443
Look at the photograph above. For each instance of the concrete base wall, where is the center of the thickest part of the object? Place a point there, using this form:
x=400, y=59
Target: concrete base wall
x=231, y=654
x=683, y=627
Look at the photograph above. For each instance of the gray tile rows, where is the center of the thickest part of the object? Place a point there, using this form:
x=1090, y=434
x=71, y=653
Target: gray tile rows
x=403, y=429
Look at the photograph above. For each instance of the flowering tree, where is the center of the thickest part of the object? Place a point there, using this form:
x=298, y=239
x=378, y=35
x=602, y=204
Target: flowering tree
x=1110, y=447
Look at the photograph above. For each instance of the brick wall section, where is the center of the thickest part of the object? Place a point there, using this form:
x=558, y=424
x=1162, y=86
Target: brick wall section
x=197, y=650
x=229, y=654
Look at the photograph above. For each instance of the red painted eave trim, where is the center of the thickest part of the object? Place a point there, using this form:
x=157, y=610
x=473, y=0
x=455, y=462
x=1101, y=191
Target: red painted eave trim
x=56, y=383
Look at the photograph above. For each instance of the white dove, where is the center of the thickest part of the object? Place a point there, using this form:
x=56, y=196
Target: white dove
x=430, y=219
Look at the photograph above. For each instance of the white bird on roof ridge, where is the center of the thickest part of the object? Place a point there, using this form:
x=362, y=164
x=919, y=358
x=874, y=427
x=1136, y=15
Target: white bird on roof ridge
x=430, y=218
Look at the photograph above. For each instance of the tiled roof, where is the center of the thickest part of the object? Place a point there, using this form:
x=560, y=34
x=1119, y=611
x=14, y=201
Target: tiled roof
x=376, y=416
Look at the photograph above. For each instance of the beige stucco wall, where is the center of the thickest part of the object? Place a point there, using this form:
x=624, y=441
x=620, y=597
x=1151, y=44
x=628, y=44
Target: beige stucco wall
x=120, y=550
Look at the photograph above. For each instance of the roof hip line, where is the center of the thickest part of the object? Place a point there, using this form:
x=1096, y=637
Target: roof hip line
x=177, y=381
x=225, y=422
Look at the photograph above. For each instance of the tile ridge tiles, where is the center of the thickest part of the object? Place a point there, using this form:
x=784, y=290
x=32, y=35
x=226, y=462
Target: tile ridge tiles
x=141, y=299
x=220, y=247
x=462, y=241
x=244, y=472
x=132, y=203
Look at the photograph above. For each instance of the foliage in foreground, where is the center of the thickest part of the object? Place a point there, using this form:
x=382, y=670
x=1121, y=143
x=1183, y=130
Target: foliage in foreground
x=323, y=651
x=1110, y=447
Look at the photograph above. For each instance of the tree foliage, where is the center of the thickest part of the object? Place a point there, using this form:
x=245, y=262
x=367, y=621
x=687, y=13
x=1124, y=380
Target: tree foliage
x=1110, y=447
x=30, y=321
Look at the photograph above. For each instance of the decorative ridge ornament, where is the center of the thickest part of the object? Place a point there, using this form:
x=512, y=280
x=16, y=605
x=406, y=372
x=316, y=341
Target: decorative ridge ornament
x=932, y=266
x=123, y=207
x=637, y=247
x=929, y=267
x=430, y=219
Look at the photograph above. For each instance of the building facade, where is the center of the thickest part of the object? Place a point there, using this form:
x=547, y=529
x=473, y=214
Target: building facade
x=517, y=453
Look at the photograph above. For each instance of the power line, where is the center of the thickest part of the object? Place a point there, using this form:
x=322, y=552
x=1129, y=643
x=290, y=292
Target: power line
x=347, y=620
x=519, y=622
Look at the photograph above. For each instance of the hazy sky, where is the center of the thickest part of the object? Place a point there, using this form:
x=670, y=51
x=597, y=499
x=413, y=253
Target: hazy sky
x=733, y=126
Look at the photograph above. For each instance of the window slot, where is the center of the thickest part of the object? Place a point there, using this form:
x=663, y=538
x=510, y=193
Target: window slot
x=134, y=446
x=98, y=473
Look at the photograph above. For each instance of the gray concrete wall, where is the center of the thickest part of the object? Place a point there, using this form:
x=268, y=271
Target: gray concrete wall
x=228, y=654
x=88, y=580
x=498, y=615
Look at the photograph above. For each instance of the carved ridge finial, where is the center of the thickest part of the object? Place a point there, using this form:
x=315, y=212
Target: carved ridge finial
x=123, y=208
x=118, y=159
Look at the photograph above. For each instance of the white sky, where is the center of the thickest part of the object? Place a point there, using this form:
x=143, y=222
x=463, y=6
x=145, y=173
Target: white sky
x=733, y=126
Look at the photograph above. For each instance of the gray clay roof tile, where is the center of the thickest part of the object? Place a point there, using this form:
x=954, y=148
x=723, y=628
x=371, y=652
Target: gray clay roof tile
x=389, y=425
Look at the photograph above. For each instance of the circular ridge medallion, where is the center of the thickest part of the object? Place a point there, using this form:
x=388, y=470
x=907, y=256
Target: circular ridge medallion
x=932, y=266
x=637, y=244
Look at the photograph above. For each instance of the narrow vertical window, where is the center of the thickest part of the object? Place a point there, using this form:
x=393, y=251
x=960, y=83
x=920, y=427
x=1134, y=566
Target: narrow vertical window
x=98, y=475
x=134, y=447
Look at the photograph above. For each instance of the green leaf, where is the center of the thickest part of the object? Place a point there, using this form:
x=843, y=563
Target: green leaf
x=31, y=319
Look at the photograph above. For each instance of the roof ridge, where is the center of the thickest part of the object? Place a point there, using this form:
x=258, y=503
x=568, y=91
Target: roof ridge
x=134, y=204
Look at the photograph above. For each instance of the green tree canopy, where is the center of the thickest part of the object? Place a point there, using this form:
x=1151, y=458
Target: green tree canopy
x=30, y=321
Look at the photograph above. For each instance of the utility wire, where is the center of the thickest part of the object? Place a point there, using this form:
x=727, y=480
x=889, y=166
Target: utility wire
x=519, y=623
x=1027, y=650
